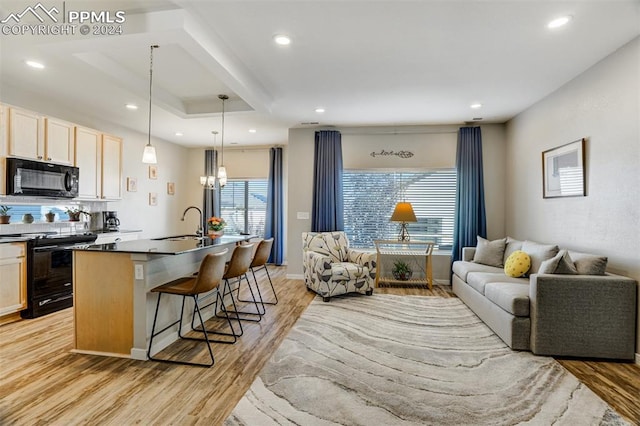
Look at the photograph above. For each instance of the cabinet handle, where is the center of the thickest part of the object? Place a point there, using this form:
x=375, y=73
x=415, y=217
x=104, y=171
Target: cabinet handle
x=20, y=257
x=39, y=157
x=48, y=158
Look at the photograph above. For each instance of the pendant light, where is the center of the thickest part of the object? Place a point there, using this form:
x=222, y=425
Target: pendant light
x=209, y=182
x=222, y=171
x=149, y=154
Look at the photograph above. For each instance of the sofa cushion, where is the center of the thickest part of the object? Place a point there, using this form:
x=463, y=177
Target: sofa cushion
x=561, y=263
x=538, y=253
x=518, y=264
x=512, y=297
x=490, y=252
x=462, y=268
x=512, y=245
x=589, y=264
x=478, y=280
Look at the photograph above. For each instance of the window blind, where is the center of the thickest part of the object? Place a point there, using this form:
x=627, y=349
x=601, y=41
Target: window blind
x=243, y=205
x=370, y=198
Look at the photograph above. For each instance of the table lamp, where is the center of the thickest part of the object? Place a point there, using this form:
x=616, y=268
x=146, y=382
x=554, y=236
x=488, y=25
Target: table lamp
x=403, y=213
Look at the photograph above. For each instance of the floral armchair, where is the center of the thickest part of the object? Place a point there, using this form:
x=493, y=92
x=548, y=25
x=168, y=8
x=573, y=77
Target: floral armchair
x=331, y=268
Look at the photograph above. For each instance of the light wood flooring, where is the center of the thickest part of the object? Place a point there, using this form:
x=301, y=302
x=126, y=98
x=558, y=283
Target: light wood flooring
x=43, y=383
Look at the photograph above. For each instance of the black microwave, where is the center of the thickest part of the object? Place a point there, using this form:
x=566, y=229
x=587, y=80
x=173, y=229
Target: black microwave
x=39, y=179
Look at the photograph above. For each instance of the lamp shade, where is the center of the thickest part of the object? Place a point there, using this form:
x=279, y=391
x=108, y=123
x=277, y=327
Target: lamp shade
x=149, y=155
x=403, y=213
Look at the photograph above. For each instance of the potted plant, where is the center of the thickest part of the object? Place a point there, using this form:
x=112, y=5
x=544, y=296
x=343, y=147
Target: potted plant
x=215, y=226
x=401, y=270
x=5, y=217
x=74, y=214
x=51, y=216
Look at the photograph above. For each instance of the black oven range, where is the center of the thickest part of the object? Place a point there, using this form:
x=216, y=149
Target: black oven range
x=50, y=271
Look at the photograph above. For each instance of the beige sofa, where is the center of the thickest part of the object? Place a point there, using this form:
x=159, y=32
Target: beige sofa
x=585, y=313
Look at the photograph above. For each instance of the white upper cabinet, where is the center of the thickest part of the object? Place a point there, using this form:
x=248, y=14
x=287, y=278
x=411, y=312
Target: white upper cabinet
x=59, y=141
x=26, y=134
x=111, y=167
x=88, y=159
x=40, y=138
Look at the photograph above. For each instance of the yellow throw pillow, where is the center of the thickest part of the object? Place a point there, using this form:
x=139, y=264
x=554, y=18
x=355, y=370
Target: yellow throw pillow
x=517, y=264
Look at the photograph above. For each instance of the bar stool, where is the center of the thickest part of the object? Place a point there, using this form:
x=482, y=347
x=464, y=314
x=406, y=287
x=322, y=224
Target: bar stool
x=259, y=261
x=237, y=269
x=209, y=277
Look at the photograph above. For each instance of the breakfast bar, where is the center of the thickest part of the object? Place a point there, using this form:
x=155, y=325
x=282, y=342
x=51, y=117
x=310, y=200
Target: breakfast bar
x=113, y=306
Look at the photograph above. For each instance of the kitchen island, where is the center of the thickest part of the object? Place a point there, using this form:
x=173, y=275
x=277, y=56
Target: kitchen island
x=113, y=306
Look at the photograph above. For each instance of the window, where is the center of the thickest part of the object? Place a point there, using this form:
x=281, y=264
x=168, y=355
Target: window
x=243, y=206
x=371, y=196
x=37, y=211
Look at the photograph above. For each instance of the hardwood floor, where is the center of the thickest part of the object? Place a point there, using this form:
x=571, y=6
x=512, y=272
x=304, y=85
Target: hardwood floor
x=43, y=383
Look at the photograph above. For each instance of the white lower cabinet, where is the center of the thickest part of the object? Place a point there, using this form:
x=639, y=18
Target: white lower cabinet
x=13, y=285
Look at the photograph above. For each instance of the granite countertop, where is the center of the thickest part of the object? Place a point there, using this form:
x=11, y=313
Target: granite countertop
x=15, y=238
x=165, y=246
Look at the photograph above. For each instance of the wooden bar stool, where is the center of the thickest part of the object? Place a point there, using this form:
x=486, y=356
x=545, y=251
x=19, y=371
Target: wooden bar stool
x=259, y=262
x=208, y=278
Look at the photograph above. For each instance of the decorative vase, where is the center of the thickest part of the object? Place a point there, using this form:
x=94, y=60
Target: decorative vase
x=402, y=276
x=27, y=218
x=4, y=220
x=50, y=217
x=215, y=234
x=74, y=217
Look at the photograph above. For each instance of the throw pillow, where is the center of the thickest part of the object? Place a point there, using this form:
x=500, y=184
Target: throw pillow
x=517, y=264
x=559, y=264
x=490, y=252
x=538, y=253
x=589, y=264
x=512, y=245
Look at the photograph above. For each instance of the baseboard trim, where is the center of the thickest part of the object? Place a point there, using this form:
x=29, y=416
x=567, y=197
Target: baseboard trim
x=294, y=276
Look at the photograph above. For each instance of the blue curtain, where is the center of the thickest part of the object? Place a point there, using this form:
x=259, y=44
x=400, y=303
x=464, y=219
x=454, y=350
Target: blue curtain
x=470, y=219
x=327, y=210
x=210, y=197
x=274, y=224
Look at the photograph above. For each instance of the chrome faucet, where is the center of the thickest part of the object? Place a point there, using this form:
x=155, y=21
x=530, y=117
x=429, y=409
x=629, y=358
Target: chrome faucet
x=199, y=231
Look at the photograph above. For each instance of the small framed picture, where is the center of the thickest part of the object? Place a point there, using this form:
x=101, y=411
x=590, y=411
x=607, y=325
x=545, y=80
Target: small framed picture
x=153, y=172
x=563, y=171
x=132, y=184
x=171, y=188
x=153, y=199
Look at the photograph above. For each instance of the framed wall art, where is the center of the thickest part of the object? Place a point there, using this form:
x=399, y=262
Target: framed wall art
x=153, y=172
x=171, y=188
x=153, y=199
x=132, y=184
x=563, y=171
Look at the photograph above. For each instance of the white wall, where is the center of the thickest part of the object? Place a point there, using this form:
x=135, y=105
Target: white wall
x=603, y=106
x=432, y=146
x=134, y=210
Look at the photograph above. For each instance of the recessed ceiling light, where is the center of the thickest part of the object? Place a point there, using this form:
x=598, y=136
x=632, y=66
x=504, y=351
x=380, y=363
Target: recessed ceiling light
x=131, y=106
x=476, y=105
x=319, y=110
x=34, y=64
x=556, y=23
x=282, y=40
x=252, y=130
x=179, y=133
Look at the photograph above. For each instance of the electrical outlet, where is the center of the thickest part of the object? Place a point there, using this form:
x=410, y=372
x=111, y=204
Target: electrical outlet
x=303, y=215
x=139, y=272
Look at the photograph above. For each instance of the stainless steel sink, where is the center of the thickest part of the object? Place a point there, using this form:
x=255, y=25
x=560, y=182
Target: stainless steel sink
x=179, y=238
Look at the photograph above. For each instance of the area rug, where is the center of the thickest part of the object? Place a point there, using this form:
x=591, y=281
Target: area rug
x=410, y=360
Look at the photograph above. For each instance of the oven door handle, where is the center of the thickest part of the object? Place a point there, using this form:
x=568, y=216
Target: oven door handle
x=58, y=299
x=53, y=247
